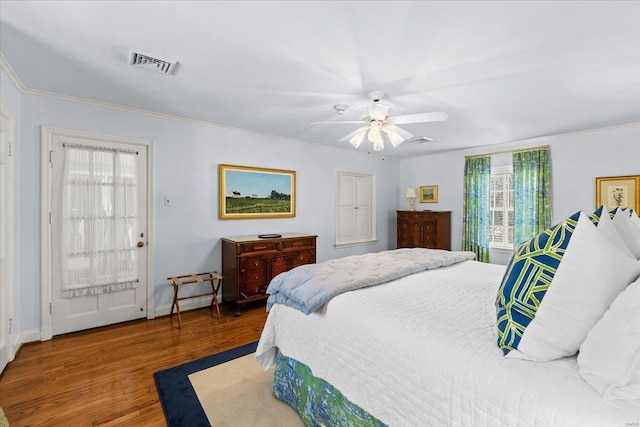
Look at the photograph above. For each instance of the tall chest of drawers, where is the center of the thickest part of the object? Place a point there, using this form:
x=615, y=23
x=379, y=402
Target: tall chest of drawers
x=424, y=229
x=249, y=263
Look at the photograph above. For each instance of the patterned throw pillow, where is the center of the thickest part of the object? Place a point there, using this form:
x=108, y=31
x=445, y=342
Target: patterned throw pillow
x=528, y=276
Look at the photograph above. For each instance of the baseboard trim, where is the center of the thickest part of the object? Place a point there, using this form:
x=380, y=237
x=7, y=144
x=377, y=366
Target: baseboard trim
x=24, y=337
x=192, y=304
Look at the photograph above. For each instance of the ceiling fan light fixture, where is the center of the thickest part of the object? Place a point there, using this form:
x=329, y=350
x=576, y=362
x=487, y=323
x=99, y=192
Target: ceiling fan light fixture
x=378, y=146
x=394, y=138
x=357, y=139
x=374, y=134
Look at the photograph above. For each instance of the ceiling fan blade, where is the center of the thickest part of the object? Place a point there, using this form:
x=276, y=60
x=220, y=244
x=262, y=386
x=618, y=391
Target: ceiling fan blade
x=352, y=134
x=403, y=133
x=347, y=122
x=378, y=111
x=418, y=118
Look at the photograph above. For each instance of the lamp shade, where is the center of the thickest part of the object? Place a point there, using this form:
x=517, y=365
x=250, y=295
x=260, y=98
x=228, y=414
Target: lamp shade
x=411, y=192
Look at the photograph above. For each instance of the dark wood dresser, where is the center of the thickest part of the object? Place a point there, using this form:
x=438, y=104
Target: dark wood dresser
x=249, y=263
x=424, y=229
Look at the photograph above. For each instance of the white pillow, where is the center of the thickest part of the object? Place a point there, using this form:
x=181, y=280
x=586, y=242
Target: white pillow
x=609, y=357
x=635, y=220
x=590, y=276
x=629, y=233
x=608, y=229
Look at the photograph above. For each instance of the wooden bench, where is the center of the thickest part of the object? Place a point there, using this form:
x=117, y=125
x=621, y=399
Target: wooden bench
x=211, y=276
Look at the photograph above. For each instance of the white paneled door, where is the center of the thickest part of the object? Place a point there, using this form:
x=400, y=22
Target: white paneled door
x=98, y=231
x=6, y=237
x=355, y=208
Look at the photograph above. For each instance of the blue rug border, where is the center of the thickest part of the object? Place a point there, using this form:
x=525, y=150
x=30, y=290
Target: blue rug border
x=179, y=402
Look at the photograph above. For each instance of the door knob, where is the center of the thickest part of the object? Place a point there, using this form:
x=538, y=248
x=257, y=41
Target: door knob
x=140, y=244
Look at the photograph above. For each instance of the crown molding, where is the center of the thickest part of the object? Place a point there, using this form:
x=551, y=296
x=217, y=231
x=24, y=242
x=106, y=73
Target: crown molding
x=11, y=73
x=534, y=140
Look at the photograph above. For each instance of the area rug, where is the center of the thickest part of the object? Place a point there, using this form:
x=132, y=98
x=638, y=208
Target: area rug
x=225, y=389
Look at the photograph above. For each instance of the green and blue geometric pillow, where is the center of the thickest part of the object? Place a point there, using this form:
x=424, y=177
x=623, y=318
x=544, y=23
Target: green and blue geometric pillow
x=558, y=285
x=526, y=280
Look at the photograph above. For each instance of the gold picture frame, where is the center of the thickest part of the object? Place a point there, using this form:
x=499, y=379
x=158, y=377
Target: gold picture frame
x=618, y=191
x=248, y=192
x=428, y=194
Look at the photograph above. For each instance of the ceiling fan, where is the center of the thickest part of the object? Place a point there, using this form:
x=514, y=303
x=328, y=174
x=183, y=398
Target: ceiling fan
x=376, y=122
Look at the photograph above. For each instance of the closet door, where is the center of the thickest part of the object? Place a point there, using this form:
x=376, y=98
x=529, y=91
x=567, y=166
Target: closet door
x=355, y=208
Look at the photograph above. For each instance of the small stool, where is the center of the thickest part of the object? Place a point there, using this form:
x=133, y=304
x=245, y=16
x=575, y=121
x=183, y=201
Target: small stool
x=177, y=281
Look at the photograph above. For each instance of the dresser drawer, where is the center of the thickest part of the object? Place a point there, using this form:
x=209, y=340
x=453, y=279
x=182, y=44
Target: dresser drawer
x=257, y=247
x=251, y=290
x=299, y=243
x=253, y=262
x=255, y=277
x=301, y=258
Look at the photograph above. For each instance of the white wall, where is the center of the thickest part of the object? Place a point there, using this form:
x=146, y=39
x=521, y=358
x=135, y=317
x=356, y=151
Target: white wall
x=187, y=155
x=576, y=159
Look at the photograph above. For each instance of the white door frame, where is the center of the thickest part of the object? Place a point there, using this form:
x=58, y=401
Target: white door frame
x=46, y=333
x=7, y=274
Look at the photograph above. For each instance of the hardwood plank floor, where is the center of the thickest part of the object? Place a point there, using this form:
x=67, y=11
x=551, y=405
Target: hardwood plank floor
x=105, y=376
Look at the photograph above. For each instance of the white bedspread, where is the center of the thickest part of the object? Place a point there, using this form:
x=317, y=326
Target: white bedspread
x=421, y=351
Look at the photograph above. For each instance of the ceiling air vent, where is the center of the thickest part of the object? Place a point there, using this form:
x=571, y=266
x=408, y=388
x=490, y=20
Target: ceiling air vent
x=421, y=139
x=148, y=62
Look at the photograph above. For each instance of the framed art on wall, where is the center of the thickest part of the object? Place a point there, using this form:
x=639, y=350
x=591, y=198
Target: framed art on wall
x=618, y=192
x=429, y=194
x=253, y=192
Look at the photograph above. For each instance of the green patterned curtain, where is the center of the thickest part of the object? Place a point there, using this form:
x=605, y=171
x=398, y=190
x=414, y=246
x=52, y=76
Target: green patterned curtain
x=476, y=215
x=532, y=193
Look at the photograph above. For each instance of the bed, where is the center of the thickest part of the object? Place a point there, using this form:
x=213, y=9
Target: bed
x=421, y=351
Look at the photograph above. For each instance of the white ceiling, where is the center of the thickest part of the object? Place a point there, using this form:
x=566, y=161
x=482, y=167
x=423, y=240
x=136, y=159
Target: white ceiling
x=503, y=71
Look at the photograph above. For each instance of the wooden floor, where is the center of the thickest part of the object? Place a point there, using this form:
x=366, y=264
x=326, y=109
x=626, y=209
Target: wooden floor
x=105, y=376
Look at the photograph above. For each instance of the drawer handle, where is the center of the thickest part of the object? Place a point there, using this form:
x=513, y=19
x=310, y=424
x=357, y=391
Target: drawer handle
x=259, y=247
x=256, y=263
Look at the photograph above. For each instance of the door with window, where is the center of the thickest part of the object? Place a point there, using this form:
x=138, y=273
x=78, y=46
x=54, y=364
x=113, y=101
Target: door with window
x=98, y=231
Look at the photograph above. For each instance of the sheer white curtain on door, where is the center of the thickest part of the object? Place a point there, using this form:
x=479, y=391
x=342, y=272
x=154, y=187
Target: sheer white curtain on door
x=99, y=221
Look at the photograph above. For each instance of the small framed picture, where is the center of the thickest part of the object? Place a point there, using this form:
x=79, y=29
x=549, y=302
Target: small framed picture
x=618, y=192
x=429, y=194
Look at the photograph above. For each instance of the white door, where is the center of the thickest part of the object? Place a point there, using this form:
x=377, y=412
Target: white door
x=355, y=220
x=6, y=238
x=98, y=232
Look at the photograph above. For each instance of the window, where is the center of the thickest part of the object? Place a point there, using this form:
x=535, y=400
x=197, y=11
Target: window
x=501, y=208
x=355, y=209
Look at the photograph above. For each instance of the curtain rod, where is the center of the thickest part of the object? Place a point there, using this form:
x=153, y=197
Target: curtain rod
x=96, y=148
x=539, y=147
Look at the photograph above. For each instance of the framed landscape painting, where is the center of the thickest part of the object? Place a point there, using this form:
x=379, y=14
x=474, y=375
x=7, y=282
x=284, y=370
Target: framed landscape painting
x=618, y=192
x=252, y=192
x=429, y=194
